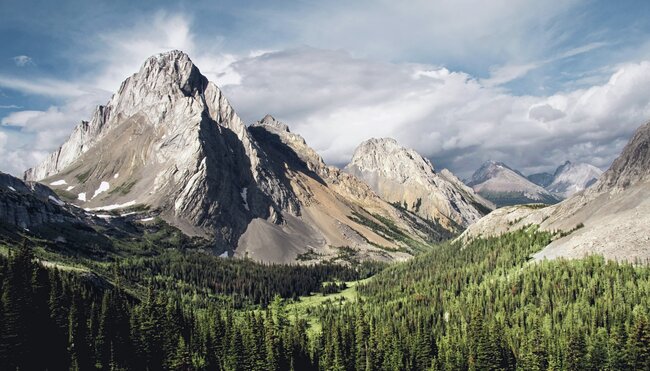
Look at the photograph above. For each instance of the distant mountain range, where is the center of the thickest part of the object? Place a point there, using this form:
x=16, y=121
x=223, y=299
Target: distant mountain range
x=506, y=186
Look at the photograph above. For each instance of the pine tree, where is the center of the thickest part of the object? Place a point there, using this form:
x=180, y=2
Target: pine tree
x=638, y=342
x=182, y=360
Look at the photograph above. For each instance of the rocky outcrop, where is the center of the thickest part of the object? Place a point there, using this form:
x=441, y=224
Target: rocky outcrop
x=404, y=177
x=29, y=204
x=504, y=186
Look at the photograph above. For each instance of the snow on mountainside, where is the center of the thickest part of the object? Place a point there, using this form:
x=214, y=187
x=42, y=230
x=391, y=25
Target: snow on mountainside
x=504, y=186
x=404, y=177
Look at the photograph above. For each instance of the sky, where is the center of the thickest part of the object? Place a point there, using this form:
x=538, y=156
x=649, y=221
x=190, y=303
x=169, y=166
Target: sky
x=529, y=83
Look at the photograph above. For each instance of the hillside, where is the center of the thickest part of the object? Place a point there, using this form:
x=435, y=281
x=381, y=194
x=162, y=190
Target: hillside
x=610, y=218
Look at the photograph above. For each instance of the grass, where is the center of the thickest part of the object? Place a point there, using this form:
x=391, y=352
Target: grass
x=306, y=306
x=123, y=188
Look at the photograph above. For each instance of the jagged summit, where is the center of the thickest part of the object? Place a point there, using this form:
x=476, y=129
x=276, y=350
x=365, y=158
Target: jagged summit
x=270, y=121
x=403, y=176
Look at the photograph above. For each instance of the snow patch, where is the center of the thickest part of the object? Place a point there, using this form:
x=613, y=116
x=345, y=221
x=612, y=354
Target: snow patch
x=12, y=188
x=146, y=219
x=82, y=196
x=112, y=207
x=224, y=254
x=59, y=182
x=104, y=216
x=56, y=200
x=70, y=188
x=116, y=176
x=127, y=214
x=244, y=194
x=103, y=187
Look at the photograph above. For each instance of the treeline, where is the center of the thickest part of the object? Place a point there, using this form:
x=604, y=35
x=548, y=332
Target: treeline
x=55, y=320
x=241, y=281
x=483, y=306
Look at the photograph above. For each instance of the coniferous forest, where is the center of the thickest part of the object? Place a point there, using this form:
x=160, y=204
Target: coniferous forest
x=479, y=306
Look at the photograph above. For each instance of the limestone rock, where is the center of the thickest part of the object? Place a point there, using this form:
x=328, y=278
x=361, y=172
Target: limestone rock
x=404, y=177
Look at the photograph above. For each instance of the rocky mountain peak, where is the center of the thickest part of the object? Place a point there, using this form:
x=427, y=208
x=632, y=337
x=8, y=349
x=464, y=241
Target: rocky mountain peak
x=403, y=176
x=270, y=121
x=388, y=157
x=503, y=185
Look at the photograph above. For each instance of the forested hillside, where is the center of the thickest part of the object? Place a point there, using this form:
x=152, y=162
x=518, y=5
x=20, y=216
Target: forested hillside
x=480, y=306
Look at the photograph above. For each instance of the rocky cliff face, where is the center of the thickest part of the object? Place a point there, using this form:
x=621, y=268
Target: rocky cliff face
x=571, y=178
x=402, y=176
x=29, y=204
x=504, y=186
x=610, y=218
x=170, y=143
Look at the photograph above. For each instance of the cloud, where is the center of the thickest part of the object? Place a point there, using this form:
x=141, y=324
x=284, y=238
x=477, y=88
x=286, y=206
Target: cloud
x=26, y=137
x=335, y=101
x=503, y=74
x=10, y=106
x=44, y=86
x=23, y=61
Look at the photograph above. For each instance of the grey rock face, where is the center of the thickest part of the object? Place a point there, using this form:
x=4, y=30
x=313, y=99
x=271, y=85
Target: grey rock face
x=632, y=166
x=541, y=179
x=403, y=176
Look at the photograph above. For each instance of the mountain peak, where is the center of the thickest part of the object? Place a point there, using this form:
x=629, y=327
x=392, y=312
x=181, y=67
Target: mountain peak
x=403, y=176
x=164, y=73
x=270, y=121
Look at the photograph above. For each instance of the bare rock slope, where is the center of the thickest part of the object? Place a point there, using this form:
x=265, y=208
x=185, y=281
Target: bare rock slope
x=611, y=218
x=404, y=177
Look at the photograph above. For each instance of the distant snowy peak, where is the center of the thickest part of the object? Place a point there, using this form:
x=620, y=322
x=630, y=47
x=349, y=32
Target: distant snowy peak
x=570, y=178
x=504, y=186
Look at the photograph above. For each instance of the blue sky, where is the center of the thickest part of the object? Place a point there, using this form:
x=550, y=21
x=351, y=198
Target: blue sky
x=526, y=82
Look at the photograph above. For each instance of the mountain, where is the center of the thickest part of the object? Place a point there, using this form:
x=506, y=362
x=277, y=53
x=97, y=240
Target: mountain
x=571, y=178
x=169, y=144
x=504, y=186
x=403, y=177
x=541, y=179
x=610, y=218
